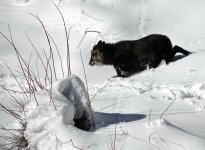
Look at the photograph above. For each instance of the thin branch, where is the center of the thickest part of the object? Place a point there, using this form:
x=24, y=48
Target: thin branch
x=39, y=79
x=58, y=54
x=115, y=137
x=12, y=96
x=167, y=108
x=67, y=39
x=50, y=91
x=24, y=91
x=150, y=111
x=20, y=58
x=49, y=43
x=99, y=91
x=30, y=41
x=87, y=31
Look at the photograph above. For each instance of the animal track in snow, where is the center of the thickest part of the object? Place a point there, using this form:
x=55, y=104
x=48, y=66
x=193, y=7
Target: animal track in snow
x=193, y=94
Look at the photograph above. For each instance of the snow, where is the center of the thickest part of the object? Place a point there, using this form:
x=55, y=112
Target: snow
x=71, y=101
x=157, y=109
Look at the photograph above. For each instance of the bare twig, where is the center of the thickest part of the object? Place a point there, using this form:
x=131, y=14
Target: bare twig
x=99, y=91
x=67, y=39
x=90, y=107
x=84, y=70
x=150, y=111
x=30, y=41
x=58, y=54
x=156, y=133
x=49, y=43
x=20, y=58
x=123, y=131
x=24, y=91
x=39, y=79
x=87, y=31
x=12, y=96
x=86, y=14
x=115, y=137
x=50, y=91
x=69, y=141
x=112, y=140
x=167, y=108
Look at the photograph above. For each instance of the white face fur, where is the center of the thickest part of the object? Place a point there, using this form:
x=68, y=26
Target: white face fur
x=95, y=58
x=98, y=64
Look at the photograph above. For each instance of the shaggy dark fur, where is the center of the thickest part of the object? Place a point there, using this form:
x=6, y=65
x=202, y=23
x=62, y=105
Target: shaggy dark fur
x=130, y=57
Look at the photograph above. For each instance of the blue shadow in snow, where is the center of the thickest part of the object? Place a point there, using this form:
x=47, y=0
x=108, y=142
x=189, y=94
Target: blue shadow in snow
x=105, y=119
x=178, y=57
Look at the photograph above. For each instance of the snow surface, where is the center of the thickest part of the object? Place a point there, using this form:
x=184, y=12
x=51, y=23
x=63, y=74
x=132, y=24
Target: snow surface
x=43, y=121
x=123, y=107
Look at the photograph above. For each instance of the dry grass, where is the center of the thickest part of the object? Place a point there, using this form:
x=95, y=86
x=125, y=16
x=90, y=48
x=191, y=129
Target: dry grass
x=11, y=137
x=14, y=138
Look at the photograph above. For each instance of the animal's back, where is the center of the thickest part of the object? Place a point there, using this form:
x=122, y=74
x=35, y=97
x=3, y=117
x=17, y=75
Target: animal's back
x=154, y=43
x=148, y=49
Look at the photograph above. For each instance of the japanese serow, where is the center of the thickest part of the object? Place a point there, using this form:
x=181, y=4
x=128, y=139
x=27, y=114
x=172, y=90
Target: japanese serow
x=130, y=57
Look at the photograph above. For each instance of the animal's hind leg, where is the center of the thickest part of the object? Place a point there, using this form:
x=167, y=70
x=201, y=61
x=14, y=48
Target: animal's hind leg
x=176, y=49
x=124, y=70
x=169, y=56
x=181, y=50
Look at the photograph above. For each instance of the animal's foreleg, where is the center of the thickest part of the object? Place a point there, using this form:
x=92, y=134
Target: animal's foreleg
x=124, y=70
x=117, y=68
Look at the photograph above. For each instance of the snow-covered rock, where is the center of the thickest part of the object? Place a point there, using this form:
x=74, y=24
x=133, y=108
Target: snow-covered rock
x=60, y=105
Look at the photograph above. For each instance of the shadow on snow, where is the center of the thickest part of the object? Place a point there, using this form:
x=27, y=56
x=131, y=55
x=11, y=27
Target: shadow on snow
x=105, y=119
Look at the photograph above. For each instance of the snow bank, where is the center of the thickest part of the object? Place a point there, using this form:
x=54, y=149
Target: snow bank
x=71, y=101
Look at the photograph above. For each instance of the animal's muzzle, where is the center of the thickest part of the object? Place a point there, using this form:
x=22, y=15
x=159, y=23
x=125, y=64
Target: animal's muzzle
x=91, y=63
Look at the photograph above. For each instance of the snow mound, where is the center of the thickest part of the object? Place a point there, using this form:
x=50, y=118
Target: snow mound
x=70, y=99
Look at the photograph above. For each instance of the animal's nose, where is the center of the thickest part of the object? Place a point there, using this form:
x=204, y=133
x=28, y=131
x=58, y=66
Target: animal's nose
x=91, y=63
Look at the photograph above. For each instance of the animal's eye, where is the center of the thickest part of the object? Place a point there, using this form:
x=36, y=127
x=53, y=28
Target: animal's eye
x=94, y=53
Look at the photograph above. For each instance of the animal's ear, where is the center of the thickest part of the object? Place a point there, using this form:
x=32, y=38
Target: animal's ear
x=100, y=42
x=94, y=47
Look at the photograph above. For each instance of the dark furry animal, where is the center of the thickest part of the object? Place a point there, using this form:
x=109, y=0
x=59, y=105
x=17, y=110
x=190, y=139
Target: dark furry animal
x=130, y=57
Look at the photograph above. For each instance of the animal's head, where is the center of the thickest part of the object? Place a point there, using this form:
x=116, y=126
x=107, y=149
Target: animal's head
x=97, y=54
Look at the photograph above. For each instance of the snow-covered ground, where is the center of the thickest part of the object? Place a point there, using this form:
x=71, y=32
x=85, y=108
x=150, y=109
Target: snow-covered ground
x=129, y=113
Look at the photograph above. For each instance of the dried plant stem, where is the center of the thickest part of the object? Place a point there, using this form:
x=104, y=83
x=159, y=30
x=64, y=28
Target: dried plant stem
x=8, y=91
x=21, y=61
x=112, y=140
x=24, y=91
x=99, y=91
x=58, y=54
x=167, y=108
x=39, y=79
x=150, y=111
x=11, y=112
x=51, y=85
x=67, y=40
x=157, y=133
x=46, y=76
x=87, y=31
x=51, y=57
x=90, y=107
x=115, y=137
x=13, y=138
x=84, y=70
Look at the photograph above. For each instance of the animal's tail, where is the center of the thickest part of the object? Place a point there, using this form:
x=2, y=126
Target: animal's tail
x=181, y=50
